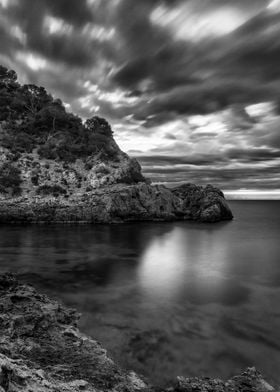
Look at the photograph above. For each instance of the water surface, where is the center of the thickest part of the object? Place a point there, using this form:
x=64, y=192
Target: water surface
x=166, y=299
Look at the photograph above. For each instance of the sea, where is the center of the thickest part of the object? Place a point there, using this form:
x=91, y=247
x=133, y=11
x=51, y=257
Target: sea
x=165, y=299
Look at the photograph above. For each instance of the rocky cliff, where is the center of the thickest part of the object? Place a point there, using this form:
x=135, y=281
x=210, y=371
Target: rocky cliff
x=120, y=203
x=55, y=168
x=42, y=350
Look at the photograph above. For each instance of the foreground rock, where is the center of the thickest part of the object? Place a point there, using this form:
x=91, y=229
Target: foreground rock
x=120, y=203
x=41, y=350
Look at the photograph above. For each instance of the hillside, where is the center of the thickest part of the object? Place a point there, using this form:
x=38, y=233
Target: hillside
x=55, y=168
x=47, y=151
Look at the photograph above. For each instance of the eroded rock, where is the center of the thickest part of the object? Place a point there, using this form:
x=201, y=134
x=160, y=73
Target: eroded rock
x=120, y=203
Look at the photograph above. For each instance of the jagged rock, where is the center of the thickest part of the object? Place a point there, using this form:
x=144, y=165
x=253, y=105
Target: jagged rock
x=204, y=204
x=41, y=350
x=250, y=380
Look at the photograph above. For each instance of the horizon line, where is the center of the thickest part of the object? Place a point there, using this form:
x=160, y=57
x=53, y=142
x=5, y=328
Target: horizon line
x=252, y=194
x=239, y=194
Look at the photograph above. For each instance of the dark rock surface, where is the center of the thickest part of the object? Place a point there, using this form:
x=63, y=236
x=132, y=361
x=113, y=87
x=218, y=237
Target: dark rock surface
x=203, y=204
x=41, y=350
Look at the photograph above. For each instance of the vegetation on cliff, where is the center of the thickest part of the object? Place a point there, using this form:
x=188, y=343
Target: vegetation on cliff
x=32, y=118
x=47, y=151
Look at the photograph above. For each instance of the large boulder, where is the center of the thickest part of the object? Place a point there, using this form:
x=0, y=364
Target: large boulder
x=205, y=204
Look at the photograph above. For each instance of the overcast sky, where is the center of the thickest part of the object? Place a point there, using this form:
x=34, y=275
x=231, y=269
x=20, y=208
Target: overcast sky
x=191, y=87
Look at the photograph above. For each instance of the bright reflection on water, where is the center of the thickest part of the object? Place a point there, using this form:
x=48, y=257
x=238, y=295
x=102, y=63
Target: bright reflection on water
x=166, y=299
x=175, y=263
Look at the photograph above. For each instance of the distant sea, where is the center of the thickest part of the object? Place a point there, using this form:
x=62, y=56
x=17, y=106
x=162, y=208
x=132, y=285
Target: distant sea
x=166, y=299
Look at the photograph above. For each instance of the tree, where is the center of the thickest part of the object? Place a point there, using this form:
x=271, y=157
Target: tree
x=7, y=76
x=35, y=97
x=99, y=125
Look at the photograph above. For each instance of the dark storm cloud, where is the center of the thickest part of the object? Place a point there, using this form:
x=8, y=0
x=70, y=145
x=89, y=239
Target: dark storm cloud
x=150, y=52
x=31, y=12
x=255, y=48
x=257, y=155
x=72, y=47
x=163, y=160
x=226, y=178
x=173, y=70
x=240, y=66
x=209, y=96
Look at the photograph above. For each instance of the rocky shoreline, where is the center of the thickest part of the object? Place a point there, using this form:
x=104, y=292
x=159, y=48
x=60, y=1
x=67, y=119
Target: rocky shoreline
x=121, y=203
x=42, y=350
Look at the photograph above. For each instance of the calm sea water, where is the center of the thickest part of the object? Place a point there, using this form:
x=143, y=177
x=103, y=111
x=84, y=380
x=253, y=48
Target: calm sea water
x=166, y=299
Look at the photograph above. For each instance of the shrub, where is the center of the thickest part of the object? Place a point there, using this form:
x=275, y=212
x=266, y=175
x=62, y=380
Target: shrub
x=47, y=151
x=35, y=179
x=3, y=189
x=10, y=178
x=16, y=156
x=51, y=190
x=18, y=142
x=102, y=169
x=88, y=165
x=99, y=125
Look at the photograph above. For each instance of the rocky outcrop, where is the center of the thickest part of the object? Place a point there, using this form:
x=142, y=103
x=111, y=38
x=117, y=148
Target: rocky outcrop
x=203, y=204
x=42, y=350
x=48, y=177
x=120, y=203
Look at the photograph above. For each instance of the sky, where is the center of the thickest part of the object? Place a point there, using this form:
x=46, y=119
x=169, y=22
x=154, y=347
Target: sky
x=190, y=87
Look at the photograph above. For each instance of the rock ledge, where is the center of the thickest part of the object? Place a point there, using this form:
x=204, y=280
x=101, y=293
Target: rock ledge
x=121, y=203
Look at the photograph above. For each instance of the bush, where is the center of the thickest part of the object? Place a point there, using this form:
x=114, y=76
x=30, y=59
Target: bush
x=102, y=169
x=51, y=190
x=88, y=165
x=47, y=151
x=99, y=125
x=35, y=179
x=10, y=178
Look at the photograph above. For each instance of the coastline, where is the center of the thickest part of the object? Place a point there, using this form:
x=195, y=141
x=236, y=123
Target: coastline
x=121, y=203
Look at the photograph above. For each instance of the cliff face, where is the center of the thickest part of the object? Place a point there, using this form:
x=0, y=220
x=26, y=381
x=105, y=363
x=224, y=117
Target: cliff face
x=42, y=350
x=54, y=168
x=47, y=178
x=120, y=203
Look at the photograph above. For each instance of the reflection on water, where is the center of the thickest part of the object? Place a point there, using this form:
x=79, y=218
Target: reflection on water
x=175, y=265
x=166, y=299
